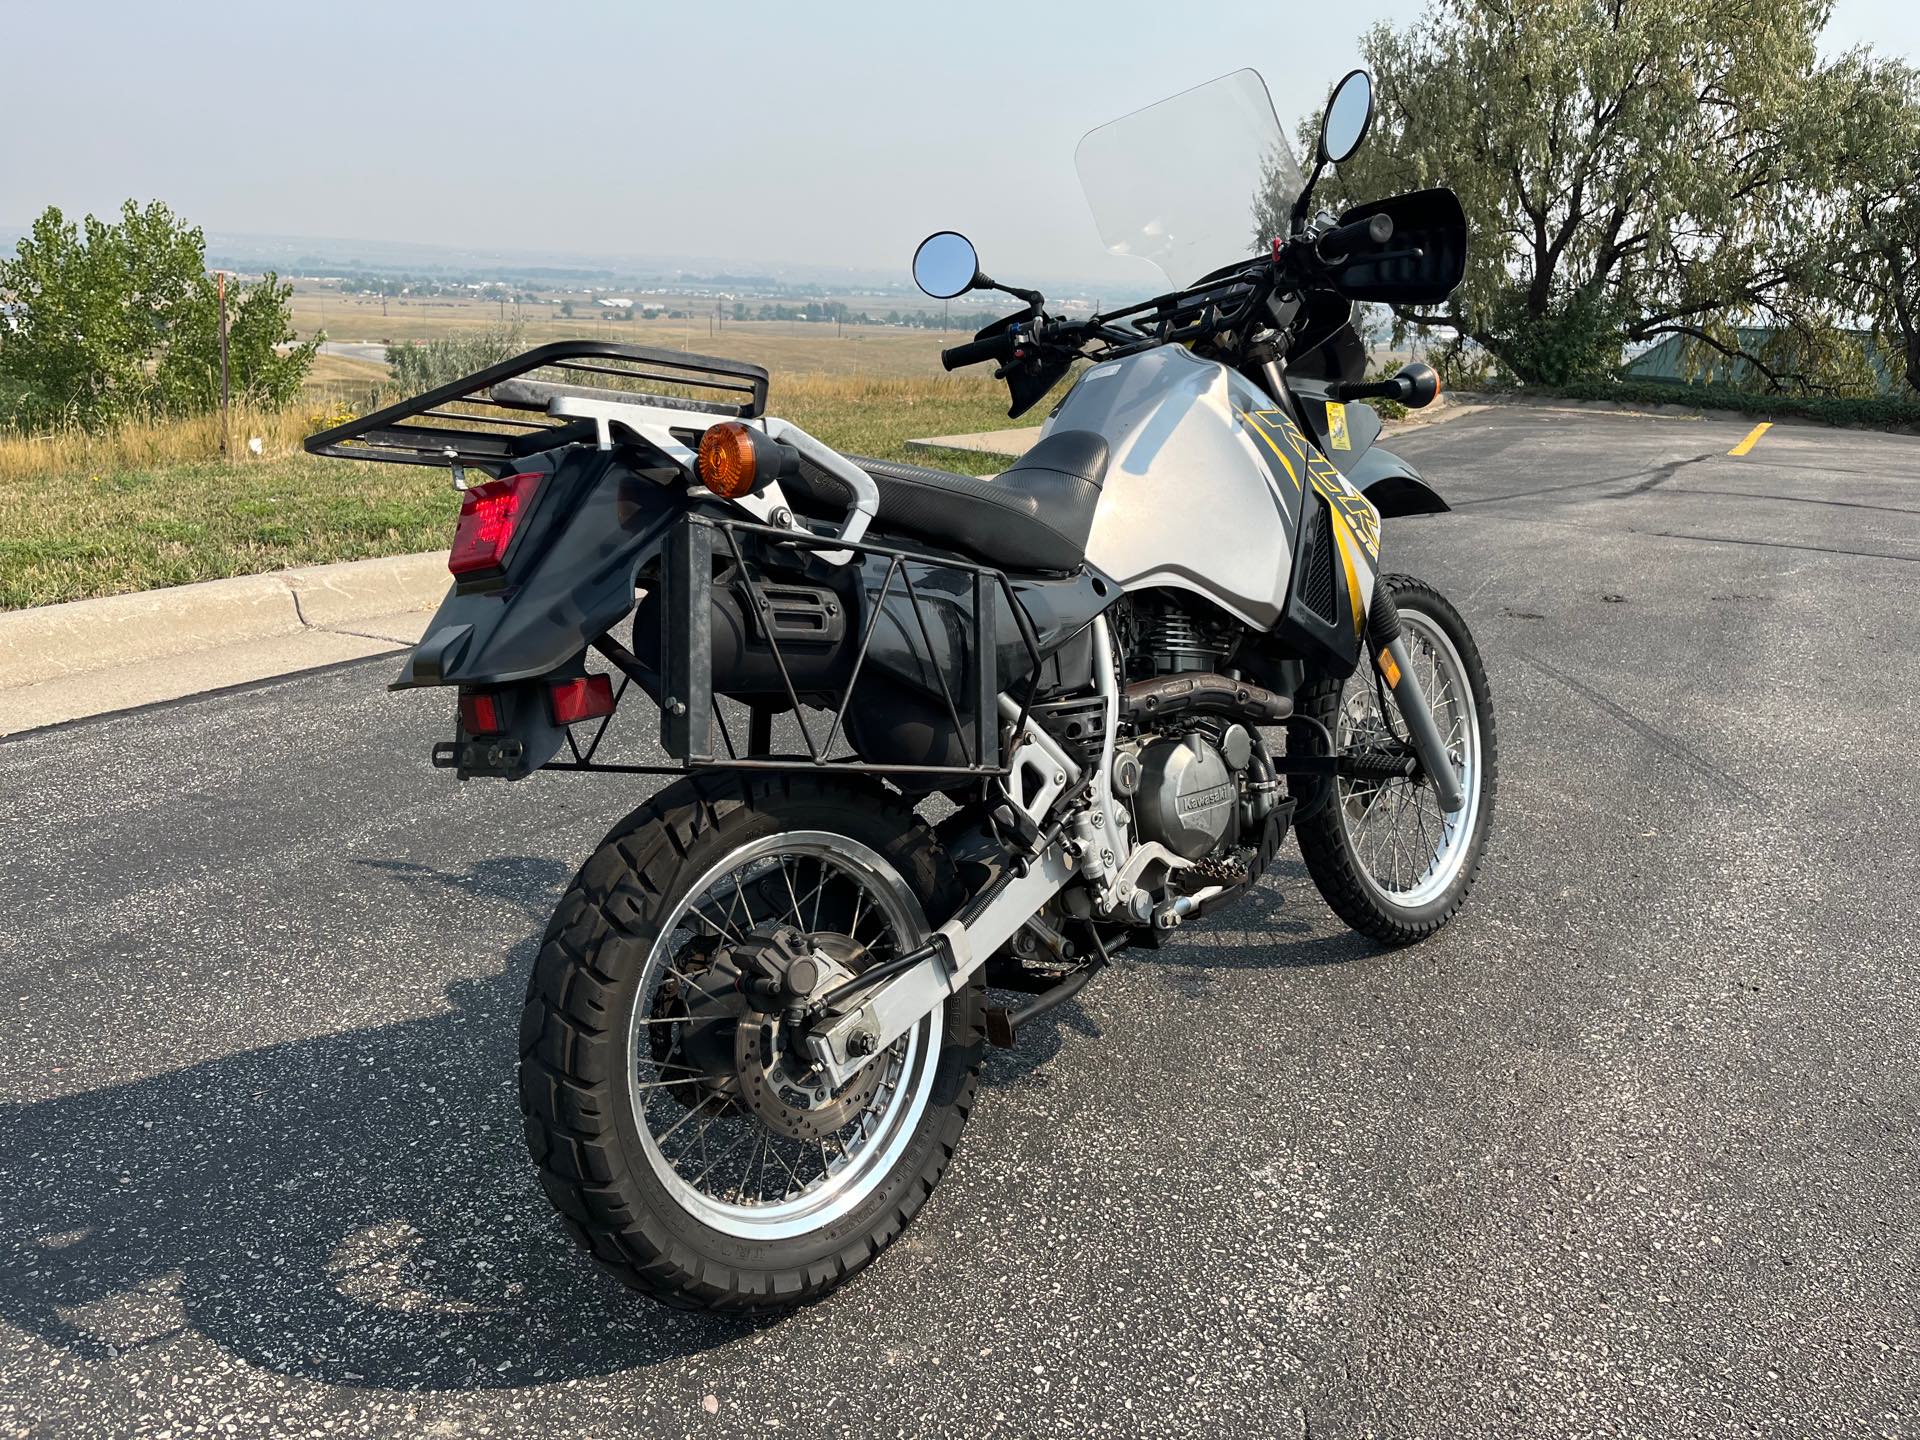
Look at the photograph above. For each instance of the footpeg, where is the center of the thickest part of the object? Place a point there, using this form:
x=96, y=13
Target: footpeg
x=1227, y=871
x=1000, y=1027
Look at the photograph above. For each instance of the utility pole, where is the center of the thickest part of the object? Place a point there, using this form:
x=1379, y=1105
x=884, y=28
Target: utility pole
x=226, y=441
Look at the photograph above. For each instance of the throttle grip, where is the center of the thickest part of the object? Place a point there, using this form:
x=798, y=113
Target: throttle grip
x=994, y=347
x=1340, y=242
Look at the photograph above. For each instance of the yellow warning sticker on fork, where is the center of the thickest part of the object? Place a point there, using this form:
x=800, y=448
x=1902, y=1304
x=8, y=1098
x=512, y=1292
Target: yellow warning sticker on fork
x=1337, y=437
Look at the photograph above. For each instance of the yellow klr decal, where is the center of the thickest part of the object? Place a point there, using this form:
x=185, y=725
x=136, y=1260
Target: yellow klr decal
x=1337, y=437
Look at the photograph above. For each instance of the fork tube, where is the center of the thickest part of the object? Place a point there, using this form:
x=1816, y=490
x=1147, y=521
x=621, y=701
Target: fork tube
x=1421, y=729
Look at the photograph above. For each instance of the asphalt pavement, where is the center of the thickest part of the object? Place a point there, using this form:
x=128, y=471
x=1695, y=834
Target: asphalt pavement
x=1629, y=1149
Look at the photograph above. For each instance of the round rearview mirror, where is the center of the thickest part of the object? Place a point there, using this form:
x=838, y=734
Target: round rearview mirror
x=1349, y=116
x=945, y=265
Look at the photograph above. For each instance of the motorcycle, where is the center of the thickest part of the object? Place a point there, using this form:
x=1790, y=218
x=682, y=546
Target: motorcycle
x=1117, y=674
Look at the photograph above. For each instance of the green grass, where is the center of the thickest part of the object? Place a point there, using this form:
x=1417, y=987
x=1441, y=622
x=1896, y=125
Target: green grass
x=71, y=536
x=77, y=522
x=1871, y=412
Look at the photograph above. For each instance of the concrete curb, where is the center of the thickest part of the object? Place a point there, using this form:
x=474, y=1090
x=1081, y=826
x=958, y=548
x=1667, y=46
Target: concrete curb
x=54, y=641
x=1010, y=443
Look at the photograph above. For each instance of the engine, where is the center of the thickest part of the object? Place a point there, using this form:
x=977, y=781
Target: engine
x=1200, y=784
x=1191, y=773
x=1169, y=637
x=1192, y=792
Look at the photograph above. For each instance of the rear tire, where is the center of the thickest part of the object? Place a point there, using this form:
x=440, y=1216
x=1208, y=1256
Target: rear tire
x=1385, y=902
x=620, y=1195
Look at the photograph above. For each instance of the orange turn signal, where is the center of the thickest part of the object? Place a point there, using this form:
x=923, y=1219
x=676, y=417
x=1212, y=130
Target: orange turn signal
x=727, y=461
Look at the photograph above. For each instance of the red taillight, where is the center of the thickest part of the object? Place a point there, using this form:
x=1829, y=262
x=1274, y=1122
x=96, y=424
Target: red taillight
x=488, y=514
x=585, y=698
x=480, y=713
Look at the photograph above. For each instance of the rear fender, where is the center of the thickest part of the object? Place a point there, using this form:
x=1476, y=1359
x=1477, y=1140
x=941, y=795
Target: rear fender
x=570, y=581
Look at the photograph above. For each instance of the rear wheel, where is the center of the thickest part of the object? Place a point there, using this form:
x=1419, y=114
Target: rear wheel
x=677, y=1128
x=1381, y=852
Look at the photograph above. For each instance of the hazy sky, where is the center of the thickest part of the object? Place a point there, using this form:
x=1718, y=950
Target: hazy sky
x=823, y=133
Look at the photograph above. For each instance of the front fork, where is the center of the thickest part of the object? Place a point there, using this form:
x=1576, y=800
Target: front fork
x=1395, y=665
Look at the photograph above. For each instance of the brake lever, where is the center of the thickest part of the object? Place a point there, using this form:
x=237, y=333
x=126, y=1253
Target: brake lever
x=1412, y=252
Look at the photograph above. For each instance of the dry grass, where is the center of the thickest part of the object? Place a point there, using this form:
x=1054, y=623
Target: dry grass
x=154, y=504
x=146, y=445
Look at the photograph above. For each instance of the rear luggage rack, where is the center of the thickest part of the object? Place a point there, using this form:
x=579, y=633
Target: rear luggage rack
x=496, y=417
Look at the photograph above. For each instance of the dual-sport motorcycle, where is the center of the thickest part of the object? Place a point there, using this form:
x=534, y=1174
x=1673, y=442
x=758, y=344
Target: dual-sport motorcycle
x=1115, y=675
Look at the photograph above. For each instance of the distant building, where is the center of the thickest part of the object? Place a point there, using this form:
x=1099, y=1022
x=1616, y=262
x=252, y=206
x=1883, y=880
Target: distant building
x=1683, y=360
x=614, y=302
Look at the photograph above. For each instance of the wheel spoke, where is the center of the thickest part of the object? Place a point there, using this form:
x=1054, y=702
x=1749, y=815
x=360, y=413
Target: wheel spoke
x=671, y=1129
x=725, y=932
x=791, y=895
x=726, y=1154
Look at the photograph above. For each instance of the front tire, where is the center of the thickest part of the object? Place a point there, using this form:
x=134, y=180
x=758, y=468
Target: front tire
x=1381, y=854
x=705, y=1185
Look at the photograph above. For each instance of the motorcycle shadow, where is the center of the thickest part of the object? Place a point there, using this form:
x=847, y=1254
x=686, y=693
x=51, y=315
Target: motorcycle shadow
x=1263, y=930
x=1267, y=929
x=356, y=1209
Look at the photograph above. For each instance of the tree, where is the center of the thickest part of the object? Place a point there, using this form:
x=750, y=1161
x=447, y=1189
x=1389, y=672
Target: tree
x=427, y=365
x=1874, y=219
x=186, y=376
x=121, y=319
x=1631, y=169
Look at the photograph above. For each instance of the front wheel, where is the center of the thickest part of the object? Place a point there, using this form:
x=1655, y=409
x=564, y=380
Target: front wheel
x=1382, y=853
x=682, y=1136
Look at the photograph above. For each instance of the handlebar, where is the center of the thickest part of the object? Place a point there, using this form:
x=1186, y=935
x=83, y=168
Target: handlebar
x=1341, y=241
x=1415, y=386
x=994, y=347
x=1226, y=299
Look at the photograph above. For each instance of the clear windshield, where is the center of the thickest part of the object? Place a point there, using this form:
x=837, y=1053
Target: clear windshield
x=1195, y=182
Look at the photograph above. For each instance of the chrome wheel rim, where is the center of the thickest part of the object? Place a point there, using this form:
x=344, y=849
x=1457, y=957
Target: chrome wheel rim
x=1406, y=851
x=721, y=1163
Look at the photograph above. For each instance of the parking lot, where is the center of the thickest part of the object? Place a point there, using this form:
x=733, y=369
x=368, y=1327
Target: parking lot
x=1629, y=1149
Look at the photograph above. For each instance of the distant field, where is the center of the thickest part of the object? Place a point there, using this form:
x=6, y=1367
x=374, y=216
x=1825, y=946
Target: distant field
x=780, y=345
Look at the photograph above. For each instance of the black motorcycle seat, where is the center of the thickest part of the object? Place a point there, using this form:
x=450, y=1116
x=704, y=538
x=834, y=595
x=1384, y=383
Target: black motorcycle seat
x=1034, y=515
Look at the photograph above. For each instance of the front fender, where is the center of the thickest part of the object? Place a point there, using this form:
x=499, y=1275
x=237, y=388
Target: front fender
x=1393, y=487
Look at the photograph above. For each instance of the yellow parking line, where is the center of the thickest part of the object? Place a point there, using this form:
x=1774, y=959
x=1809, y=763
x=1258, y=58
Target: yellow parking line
x=1753, y=438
